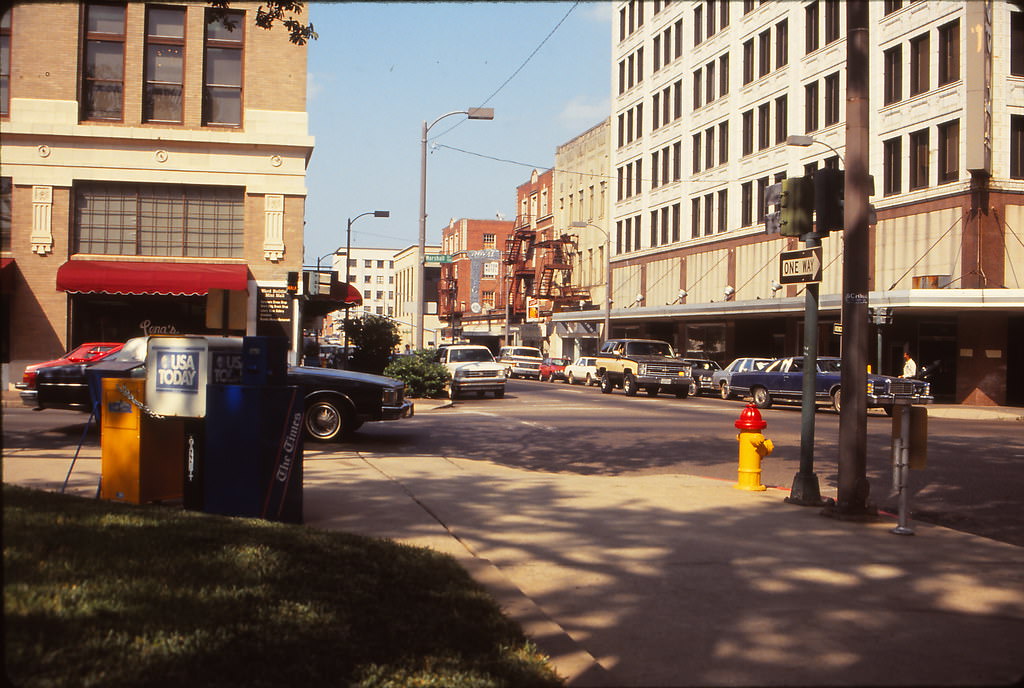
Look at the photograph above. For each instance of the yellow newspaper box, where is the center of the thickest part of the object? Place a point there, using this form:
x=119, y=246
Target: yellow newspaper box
x=141, y=457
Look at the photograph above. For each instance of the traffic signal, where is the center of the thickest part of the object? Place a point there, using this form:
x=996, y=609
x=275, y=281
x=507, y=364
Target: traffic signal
x=796, y=205
x=828, y=199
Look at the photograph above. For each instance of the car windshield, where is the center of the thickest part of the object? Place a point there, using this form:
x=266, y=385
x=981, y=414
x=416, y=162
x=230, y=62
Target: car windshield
x=829, y=365
x=761, y=365
x=470, y=356
x=648, y=349
x=133, y=350
x=532, y=353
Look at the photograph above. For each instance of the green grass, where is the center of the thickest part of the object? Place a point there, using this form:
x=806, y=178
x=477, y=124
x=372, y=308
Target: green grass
x=106, y=594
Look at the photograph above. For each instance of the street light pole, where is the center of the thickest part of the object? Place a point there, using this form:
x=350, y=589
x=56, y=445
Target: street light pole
x=607, y=333
x=348, y=270
x=419, y=290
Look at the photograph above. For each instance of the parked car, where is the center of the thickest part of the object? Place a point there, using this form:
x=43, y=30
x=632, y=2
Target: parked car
x=521, y=361
x=582, y=370
x=648, y=364
x=84, y=354
x=701, y=370
x=722, y=379
x=337, y=402
x=553, y=369
x=783, y=379
x=473, y=369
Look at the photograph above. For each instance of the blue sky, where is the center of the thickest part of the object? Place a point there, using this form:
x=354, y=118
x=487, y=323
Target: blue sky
x=379, y=70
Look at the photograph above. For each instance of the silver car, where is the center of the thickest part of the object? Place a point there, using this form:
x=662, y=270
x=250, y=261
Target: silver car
x=722, y=379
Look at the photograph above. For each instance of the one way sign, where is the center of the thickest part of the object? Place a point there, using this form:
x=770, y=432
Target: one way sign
x=800, y=266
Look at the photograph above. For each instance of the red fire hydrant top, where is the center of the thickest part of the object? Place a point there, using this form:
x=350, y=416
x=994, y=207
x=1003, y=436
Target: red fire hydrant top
x=751, y=419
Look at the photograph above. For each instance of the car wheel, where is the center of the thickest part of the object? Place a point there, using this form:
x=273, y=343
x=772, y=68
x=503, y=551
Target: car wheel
x=326, y=420
x=762, y=399
x=499, y=394
x=630, y=386
x=606, y=384
x=652, y=390
x=508, y=373
x=836, y=402
x=723, y=389
x=571, y=379
x=682, y=393
x=453, y=393
x=888, y=410
x=694, y=389
x=590, y=380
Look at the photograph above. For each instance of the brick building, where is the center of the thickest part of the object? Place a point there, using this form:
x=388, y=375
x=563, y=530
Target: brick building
x=153, y=160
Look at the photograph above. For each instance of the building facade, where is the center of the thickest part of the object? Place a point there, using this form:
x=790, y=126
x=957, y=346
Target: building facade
x=706, y=98
x=405, y=296
x=473, y=287
x=153, y=159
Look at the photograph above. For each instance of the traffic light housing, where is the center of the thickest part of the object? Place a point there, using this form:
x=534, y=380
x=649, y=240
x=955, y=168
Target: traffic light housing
x=796, y=205
x=829, y=186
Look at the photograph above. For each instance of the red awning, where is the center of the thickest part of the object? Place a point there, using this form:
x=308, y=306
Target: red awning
x=179, y=279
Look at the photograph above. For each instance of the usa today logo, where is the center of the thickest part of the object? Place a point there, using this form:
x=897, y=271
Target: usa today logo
x=178, y=371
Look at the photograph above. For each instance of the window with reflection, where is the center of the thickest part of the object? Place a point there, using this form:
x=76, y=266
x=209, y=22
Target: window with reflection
x=103, y=63
x=222, y=74
x=165, y=64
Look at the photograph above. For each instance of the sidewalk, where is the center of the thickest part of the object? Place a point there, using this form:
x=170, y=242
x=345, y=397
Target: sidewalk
x=674, y=580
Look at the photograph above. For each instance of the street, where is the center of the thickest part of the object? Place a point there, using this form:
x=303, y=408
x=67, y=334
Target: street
x=973, y=480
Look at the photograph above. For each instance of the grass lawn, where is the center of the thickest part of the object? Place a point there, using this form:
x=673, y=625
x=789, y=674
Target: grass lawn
x=105, y=594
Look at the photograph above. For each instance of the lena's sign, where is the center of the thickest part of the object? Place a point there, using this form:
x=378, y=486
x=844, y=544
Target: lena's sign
x=176, y=376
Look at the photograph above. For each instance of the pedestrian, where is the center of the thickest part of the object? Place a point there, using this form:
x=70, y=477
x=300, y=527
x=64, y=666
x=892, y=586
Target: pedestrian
x=909, y=366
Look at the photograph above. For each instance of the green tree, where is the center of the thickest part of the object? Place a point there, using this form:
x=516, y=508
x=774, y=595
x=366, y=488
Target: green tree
x=286, y=12
x=422, y=374
x=375, y=338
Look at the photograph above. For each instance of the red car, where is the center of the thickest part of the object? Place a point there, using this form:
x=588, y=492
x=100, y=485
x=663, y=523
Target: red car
x=553, y=369
x=89, y=352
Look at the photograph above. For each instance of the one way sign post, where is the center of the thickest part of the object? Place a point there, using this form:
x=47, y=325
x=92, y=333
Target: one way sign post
x=801, y=266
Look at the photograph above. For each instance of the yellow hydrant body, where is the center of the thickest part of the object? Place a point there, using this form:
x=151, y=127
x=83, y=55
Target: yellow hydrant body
x=753, y=447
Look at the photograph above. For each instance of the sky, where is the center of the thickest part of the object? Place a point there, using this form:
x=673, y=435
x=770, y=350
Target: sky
x=380, y=70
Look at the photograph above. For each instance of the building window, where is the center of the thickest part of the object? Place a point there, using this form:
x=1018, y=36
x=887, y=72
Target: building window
x=709, y=147
x=710, y=17
x=676, y=221
x=831, y=21
x=746, y=204
x=490, y=241
x=748, y=132
x=487, y=299
x=710, y=83
x=380, y=263
x=892, y=165
x=949, y=152
x=490, y=268
x=919, y=65
x=723, y=207
x=748, y=61
x=159, y=220
x=764, y=53
x=222, y=78
x=762, y=209
x=5, y=213
x=811, y=107
x=654, y=228
x=696, y=153
x=949, y=53
x=919, y=159
x=890, y=6
x=709, y=213
x=694, y=218
x=1017, y=146
x=781, y=119
x=723, y=74
x=367, y=263
x=1017, y=43
x=5, y=62
x=723, y=143
x=832, y=99
x=723, y=14
x=165, y=64
x=782, y=44
x=677, y=161
x=811, y=27
x=698, y=24
x=763, y=126
x=103, y=70
x=697, y=89
x=893, y=80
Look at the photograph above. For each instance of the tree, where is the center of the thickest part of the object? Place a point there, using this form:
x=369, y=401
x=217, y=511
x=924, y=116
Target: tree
x=375, y=338
x=269, y=13
x=422, y=374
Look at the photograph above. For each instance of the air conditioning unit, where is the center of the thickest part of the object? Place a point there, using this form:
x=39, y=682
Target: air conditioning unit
x=931, y=281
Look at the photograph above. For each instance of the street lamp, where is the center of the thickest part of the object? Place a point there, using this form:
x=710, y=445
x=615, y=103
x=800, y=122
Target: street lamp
x=348, y=269
x=420, y=286
x=607, y=275
x=804, y=141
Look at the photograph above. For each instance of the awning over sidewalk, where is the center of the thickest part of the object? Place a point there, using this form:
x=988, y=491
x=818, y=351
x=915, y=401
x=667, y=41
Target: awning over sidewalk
x=179, y=279
x=343, y=295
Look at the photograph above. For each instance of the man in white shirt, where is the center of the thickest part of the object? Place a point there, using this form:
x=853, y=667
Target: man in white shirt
x=909, y=366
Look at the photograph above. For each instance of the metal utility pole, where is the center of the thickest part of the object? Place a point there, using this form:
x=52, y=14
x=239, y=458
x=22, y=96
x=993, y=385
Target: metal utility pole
x=853, y=483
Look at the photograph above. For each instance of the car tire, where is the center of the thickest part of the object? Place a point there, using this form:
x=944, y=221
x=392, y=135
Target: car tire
x=606, y=384
x=499, y=394
x=453, y=393
x=694, y=389
x=571, y=379
x=590, y=380
x=762, y=399
x=327, y=420
x=682, y=393
x=723, y=389
x=836, y=401
x=629, y=385
x=888, y=410
x=652, y=390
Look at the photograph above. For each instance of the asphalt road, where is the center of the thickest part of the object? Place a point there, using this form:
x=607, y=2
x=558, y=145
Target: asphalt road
x=972, y=482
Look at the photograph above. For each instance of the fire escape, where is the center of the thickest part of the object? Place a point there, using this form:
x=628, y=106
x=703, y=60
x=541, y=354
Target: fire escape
x=548, y=278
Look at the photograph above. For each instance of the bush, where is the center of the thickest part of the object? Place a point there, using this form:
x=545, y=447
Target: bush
x=374, y=338
x=422, y=374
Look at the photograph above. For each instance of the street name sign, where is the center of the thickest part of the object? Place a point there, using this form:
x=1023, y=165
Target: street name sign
x=800, y=266
x=437, y=258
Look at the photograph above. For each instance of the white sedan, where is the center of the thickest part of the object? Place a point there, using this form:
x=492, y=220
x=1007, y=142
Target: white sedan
x=582, y=370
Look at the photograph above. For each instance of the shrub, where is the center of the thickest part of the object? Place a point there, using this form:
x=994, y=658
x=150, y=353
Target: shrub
x=422, y=374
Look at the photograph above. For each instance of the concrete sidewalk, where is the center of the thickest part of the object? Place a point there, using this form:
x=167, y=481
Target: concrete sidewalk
x=673, y=580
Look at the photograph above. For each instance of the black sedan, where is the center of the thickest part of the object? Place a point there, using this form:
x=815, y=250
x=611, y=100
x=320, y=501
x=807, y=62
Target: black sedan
x=337, y=402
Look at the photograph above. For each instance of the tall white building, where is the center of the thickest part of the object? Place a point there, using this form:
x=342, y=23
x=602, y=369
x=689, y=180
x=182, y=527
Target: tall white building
x=705, y=96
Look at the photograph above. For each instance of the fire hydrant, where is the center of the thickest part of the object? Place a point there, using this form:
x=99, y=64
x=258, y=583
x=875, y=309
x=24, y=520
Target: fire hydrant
x=753, y=447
